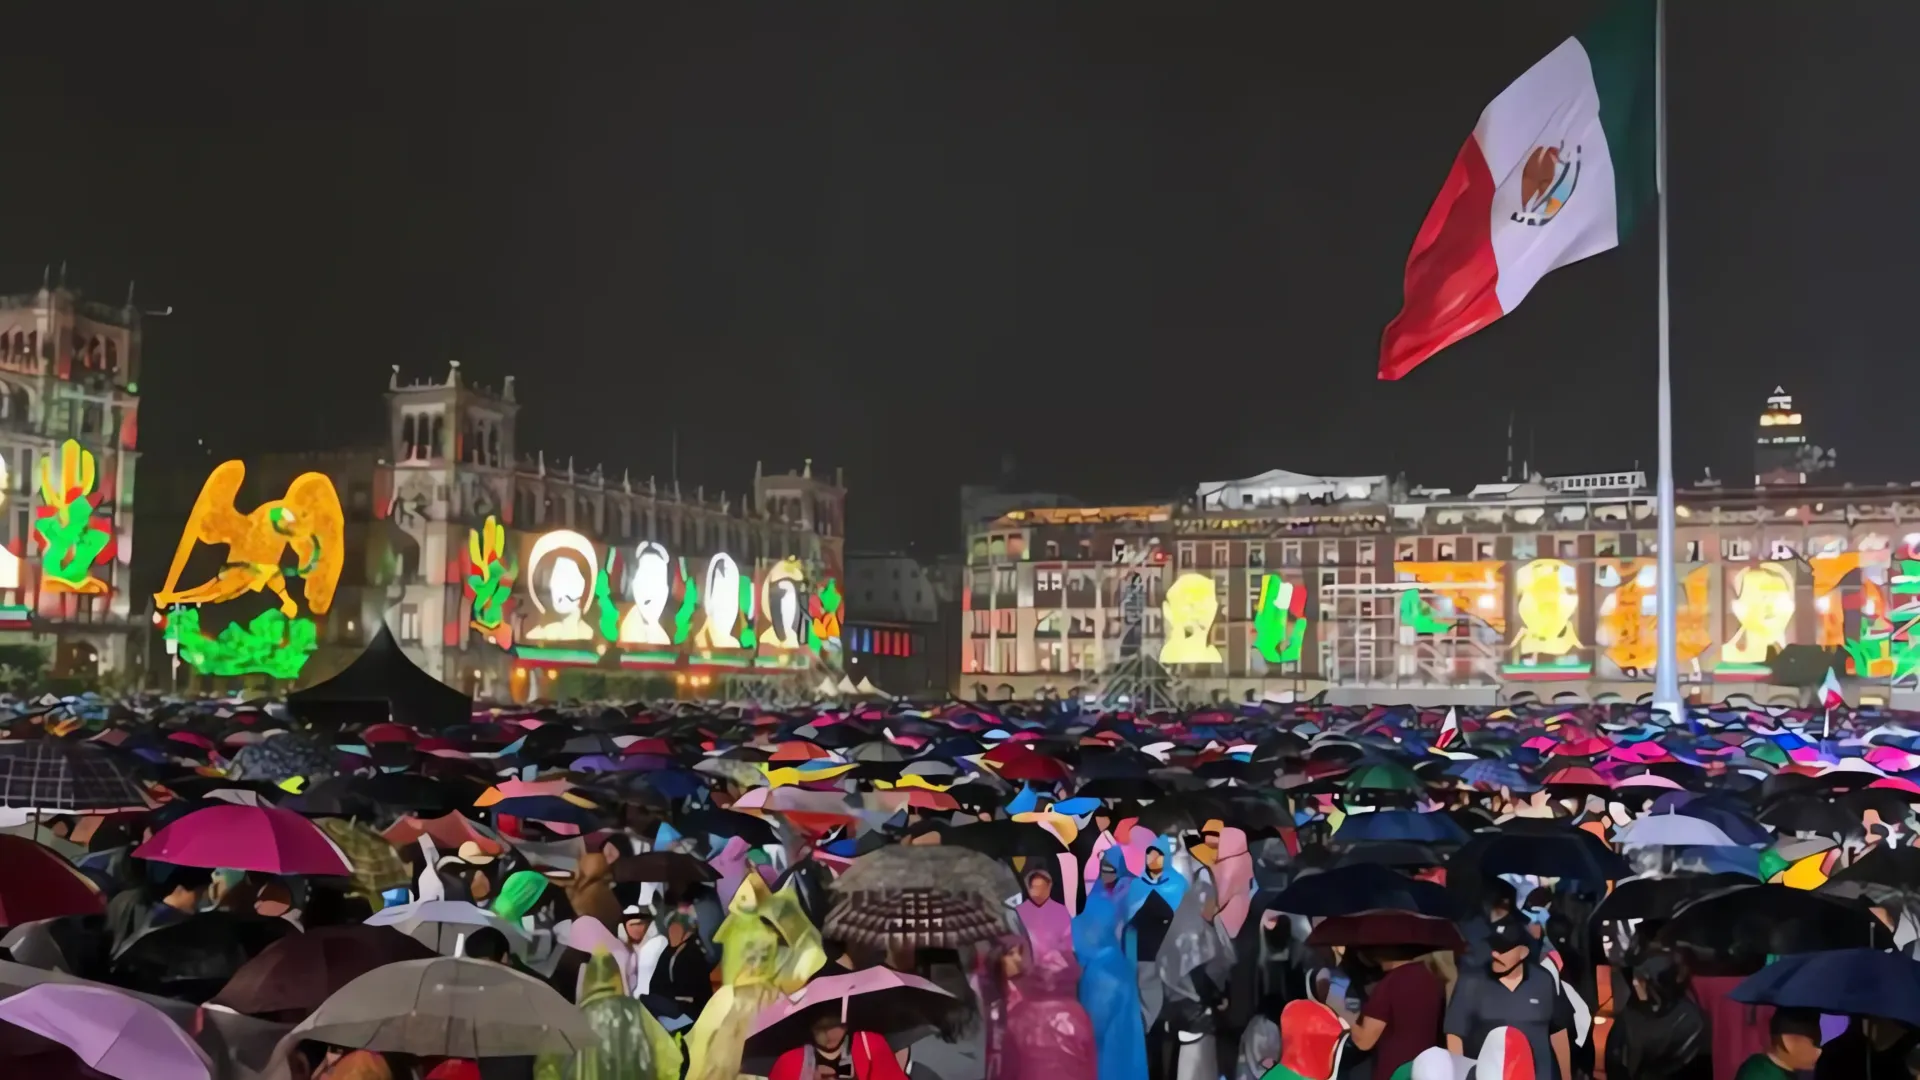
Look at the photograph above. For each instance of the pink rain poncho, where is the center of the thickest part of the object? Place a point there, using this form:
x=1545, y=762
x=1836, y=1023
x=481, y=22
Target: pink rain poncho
x=1036, y=1029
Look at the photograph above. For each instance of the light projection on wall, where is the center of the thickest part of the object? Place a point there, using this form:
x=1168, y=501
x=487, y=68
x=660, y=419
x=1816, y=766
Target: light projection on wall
x=1547, y=645
x=720, y=603
x=1830, y=570
x=824, y=606
x=490, y=576
x=1415, y=612
x=563, y=568
x=306, y=523
x=783, y=602
x=1628, y=624
x=1189, y=608
x=9, y=562
x=1886, y=644
x=651, y=588
x=1458, y=617
x=72, y=539
x=1760, y=600
x=1280, y=625
x=1460, y=589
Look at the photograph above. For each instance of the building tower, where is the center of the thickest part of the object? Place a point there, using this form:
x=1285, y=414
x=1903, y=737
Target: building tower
x=1779, y=443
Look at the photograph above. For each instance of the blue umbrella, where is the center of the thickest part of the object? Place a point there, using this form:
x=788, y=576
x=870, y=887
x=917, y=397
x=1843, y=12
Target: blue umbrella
x=1496, y=774
x=1855, y=982
x=1400, y=825
x=1739, y=828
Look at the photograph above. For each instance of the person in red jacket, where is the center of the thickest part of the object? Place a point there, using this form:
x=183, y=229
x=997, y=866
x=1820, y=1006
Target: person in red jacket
x=837, y=1054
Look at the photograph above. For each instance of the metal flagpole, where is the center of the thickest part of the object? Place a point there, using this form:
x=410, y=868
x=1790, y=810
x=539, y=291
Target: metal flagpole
x=1666, y=687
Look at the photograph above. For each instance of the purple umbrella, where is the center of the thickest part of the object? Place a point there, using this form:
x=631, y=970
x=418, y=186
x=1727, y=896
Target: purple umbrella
x=109, y=1031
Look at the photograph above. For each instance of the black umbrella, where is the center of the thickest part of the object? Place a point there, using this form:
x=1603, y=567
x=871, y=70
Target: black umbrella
x=1742, y=926
x=1656, y=898
x=193, y=958
x=723, y=823
x=675, y=869
x=1360, y=887
x=52, y=774
x=1136, y=788
x=1004, y=839
x=1391, y=853
x=1882, y=875
x=1809, y=814
x=1182, y=812
x=1522, y=846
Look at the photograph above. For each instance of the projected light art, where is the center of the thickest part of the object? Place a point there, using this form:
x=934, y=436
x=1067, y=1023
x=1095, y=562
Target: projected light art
x=1280, y=625
x=651, y=588
x=73, y=540
x=490, y=576
x=308, y=524
x=1761, y=603
x=1189, y=608
x=1547, y=644
x=783, y=604
x=564, y=566
x=720, y=603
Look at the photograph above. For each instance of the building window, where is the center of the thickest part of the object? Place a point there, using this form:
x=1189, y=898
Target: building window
x=1016, y=547
x=1219, y=554
x=1693, y=551
x=1366, y=553
x=1254, y=584
x=1444, y=551
x=1119, y=551
x=1220, y=588
x=1053, y=549
x=1047, y=580
x=1483, y=550
x=1256, y=554
x=1048, y=623
x=1403, y=551
x=1569, y=548
x=1186, y=554
x=1330, y=553
x=1606, y=544
x=1526, y=547
x=1290, y=553
x=1780, y=550
x=410, y=624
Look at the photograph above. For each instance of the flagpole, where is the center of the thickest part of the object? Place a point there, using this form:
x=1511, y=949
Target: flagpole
x=1666, y=687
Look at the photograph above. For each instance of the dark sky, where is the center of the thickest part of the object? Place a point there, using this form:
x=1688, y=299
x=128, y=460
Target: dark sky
x=1135, y=245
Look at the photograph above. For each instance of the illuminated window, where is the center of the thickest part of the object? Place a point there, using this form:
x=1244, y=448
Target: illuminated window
x=1016, y=547
x=1736, y=550
x=1403, y=551
x=1049, y=656
x=1257, y=554
x=1084, y=550
x=1780, y=550
x=997, y=547
x=1526, y=548
x=1047, y=580
x=1254, y=582
x=1220, y=587
x=1186, y=554
x=1366, y=553
x=1290, y=553
x=1606, y=544
x=1693, y=551
x=1483, y=550
x=1444, y=551
x=1053, y=549
x=1330, y=553
x=1048, y=623
x=410, y=624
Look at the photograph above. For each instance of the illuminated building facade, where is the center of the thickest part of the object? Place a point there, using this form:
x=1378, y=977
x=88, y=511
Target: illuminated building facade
x=902, y=613
x=514, y=577
x=1364, y=587
x=69, y=435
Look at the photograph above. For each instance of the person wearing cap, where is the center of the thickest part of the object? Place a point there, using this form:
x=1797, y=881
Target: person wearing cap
x=1510, y=992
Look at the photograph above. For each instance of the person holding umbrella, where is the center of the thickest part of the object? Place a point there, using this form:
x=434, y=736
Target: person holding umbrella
x=1404, y=1010
x=834, y=1053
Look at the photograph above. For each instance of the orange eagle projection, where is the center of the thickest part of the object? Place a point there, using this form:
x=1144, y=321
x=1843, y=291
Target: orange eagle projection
x=308, y=520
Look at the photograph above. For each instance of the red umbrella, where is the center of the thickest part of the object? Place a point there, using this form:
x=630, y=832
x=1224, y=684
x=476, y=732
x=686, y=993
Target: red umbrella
x=1577, y=776
x=388, y=733
x=39, y=884
x=1591, y=746
x=263, y=838
x=1032, y=766
x=1388, y=927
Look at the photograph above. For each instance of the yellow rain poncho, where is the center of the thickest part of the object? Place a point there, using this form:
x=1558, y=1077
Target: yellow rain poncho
x=768, y=948
x=632, y=1046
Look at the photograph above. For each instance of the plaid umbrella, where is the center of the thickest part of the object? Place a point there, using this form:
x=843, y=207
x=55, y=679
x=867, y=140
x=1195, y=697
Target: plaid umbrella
x=921, y=918
x=48, y=774
x=376, y=866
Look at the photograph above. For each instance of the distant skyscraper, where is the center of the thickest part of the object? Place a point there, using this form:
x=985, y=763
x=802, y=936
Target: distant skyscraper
x=1780, y=443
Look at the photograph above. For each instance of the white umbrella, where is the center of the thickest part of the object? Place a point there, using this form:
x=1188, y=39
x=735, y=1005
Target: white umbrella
x=441, y=924
x=1673, y=830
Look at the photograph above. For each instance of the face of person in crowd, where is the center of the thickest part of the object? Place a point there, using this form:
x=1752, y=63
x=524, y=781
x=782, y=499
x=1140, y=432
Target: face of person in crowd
x=1102, y=820
x=1504, y=962
x=637, y=929
x=1799, y=1052
x=1156, y=862
x=829, y=1034
x=676, y=933
x=1039, y=888
x=1108, y=875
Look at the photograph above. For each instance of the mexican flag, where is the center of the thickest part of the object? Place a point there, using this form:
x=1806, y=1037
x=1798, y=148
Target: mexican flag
x=1557, y=169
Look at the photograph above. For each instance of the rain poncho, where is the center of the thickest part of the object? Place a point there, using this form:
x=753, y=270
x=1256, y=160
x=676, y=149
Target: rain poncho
x=768, y=949
x=1036, y=1029
x=1233, y=880
x=632, y=1044
x=1194, y=962
x=1049, y=925
x=1168, y=885
x=1109, y=990
x=1309, y=1037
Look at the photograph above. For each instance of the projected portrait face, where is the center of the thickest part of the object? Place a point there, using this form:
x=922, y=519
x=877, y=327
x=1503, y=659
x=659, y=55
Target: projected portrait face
x=1189, y=608
x=785, y=607
x=564, y=567
x=1763, y=605
x=651, y=587
x=720, y=604
x=1549, y=596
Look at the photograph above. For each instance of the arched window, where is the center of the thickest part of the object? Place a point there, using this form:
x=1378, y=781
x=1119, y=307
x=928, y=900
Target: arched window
x=434, y=449
x=493, y=445
x=406, y=437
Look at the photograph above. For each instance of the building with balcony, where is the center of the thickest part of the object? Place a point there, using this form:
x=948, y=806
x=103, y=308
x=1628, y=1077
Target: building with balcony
x=69, y=444
x=1374, y=590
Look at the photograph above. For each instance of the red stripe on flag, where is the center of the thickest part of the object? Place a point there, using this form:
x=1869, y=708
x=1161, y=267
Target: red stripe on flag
x=1450, y=272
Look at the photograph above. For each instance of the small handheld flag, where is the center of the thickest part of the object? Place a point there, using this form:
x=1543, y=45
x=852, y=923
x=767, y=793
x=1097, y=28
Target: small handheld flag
x=1449, y=731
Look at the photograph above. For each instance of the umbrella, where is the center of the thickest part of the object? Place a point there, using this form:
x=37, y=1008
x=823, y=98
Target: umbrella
x=1672, y=830
x=1809, y=814
x=723, y=823
x=284, y=757
x=111, y=1032
x=376, y=866
x=1004, y=839
x=1853, y=982
x=1135, y=788
x=1883, y=875
x=1360, y=887
x=264, y=838
x=675, y=869
x=918, y=917
x=1391, y=853
x=440, y=924
x=449, y=1007
x=1549, y=849
x=1400, y=825
x=1184, y=812
x=1381, y=776
x=1389, y=927
x=901, y=1008
x=293, y=976
x=193, y=958
x=22, y=1053
x=1750, y=922
x=51, y=775
x=39, y=884
x=1657, y=897
x=934, y=867
x=1032, y=766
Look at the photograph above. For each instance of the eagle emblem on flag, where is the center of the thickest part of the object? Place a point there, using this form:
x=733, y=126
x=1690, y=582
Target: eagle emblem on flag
x=1547, y=181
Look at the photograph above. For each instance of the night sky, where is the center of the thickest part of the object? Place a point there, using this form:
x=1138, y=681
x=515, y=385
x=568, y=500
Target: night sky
x=1134, y=245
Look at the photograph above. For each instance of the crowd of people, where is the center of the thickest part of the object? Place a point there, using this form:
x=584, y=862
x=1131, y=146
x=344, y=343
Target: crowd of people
x=207, y=891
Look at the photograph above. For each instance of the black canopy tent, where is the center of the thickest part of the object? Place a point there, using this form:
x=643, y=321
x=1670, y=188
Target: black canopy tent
x=382, y=682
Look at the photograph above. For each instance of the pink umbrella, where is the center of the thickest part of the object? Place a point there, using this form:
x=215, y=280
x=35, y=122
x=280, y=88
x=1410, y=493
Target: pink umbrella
x=1897, y=783
x=263, y=838
x=1647, y=780
x=900, y=1008
x=109, y=1031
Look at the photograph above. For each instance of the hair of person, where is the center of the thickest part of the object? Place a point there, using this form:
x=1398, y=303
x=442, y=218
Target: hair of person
x=486, y=943
x=1803, y=1022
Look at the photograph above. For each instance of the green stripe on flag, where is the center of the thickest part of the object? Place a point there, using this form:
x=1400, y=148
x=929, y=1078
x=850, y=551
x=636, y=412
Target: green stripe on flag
x=1620, y=47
